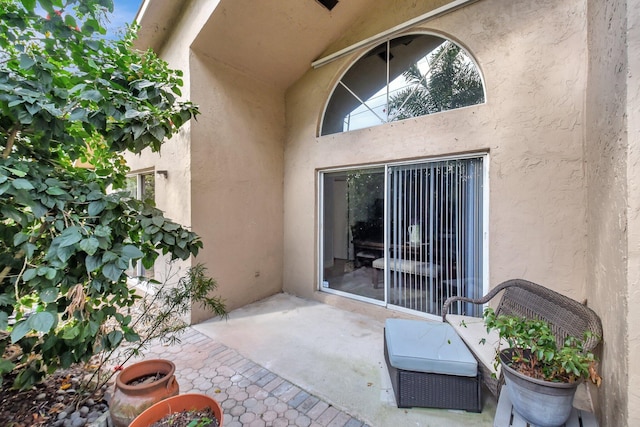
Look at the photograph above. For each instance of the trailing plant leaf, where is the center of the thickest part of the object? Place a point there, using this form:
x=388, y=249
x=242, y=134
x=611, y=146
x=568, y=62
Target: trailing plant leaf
x=68, y=95
x=536, y=353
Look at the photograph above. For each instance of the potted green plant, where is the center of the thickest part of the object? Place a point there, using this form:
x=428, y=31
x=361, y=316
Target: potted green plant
x=160, y=317
x=542, y=376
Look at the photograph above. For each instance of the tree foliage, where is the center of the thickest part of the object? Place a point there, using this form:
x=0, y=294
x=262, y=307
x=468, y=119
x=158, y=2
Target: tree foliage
x=69, y=95
x=451, y=82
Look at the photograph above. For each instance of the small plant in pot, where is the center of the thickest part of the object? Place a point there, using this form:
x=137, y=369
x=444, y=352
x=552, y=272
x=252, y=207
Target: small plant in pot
x=160, y=317
x=542, y=374
x=183, y=410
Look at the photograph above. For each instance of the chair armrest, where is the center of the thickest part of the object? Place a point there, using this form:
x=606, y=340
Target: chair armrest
x=451, y=300
x=485, y=299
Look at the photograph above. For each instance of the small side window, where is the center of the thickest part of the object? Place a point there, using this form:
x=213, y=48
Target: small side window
x=141, y=186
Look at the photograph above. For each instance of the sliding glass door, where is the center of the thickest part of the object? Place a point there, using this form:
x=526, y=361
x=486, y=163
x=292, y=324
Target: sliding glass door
x=435, y=233
x=353, y=231
x=405, y=235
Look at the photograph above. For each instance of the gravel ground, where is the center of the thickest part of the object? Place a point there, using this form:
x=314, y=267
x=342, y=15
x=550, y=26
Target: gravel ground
x=58, y=401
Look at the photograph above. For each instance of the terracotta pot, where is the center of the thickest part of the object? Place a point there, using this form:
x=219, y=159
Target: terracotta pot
x=129, y=401
x=182, y=402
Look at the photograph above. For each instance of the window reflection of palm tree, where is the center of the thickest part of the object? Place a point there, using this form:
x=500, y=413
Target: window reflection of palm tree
x=452, y=81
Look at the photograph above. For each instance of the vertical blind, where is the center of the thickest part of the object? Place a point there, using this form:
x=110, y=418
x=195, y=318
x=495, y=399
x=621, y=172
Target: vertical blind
x=434, y=234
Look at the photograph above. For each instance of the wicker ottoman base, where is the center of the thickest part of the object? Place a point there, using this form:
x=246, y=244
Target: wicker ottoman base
x=427, y=390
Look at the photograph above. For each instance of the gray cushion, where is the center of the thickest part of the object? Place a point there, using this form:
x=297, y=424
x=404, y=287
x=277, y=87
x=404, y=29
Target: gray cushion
x=422, y=346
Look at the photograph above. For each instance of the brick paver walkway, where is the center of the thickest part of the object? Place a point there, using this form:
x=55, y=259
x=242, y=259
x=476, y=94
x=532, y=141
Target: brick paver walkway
x=250, y=395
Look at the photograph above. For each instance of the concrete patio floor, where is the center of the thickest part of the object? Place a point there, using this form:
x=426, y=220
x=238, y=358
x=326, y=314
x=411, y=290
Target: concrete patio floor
x=332, y=354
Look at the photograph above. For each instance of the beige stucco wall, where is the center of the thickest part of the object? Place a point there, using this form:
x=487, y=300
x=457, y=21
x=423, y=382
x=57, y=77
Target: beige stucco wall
x=224, y=170
x=236, y=179
x=612, y=201
x=633, y=209
x=174, y=192
x=560, y=78
x=531, y=126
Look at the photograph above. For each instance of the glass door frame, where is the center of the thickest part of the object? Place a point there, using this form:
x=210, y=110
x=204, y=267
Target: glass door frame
x=387, y=277
x=320, y=233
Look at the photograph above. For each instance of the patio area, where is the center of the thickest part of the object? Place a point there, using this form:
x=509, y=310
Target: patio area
x=290, y=361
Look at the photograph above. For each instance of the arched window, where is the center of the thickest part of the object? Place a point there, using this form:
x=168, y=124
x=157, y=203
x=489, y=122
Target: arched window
x=405, y=77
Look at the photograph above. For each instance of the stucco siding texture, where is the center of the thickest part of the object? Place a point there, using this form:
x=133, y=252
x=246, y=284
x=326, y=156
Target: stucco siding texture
x=172, y=191
x=533, y=58
x=606, y=149
x=236, y=172
x=633, y=208
x=560, y=125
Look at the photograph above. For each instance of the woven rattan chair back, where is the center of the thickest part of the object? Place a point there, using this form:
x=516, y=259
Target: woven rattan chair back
x=567, y=317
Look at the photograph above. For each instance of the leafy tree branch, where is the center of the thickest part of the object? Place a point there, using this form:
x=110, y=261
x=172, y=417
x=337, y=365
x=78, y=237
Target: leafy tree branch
x=69, y=95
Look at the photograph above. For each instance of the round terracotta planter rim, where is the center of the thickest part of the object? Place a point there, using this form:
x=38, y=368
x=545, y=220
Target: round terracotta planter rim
x=145, y=368
x=160, y=409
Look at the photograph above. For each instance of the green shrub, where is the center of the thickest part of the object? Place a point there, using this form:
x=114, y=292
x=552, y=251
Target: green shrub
x=536, y=352
x=69, y=96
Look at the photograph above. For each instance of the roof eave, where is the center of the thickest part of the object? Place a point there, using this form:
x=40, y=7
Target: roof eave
x=156, y=19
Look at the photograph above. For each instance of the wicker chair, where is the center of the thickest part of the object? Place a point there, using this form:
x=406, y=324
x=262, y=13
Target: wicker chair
x=566, y=316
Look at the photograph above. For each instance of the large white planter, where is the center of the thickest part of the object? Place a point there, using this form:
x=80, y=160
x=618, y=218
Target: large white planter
x=543, y=403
